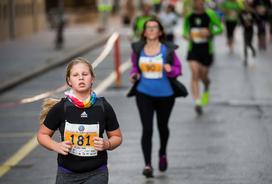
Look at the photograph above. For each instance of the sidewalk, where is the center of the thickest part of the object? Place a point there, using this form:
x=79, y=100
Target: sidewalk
x=30, y=56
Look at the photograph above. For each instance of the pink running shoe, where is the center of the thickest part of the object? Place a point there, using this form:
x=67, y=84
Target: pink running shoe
x=163, y=163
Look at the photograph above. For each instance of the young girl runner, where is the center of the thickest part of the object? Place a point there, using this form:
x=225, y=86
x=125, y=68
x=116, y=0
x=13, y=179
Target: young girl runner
x=81, y=118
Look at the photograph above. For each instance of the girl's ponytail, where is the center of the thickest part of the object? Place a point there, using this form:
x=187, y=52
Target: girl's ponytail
x=48, y=103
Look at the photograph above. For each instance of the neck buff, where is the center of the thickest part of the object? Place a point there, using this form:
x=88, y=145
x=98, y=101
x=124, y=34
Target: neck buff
x=79, y=103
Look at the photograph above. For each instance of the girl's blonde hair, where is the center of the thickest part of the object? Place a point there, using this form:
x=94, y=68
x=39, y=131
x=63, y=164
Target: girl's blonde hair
x=48, y=103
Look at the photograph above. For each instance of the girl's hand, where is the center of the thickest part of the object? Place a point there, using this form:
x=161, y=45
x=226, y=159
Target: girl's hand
x=100, y=144
x=134, y=77
x=63, y=147
x=167, y=67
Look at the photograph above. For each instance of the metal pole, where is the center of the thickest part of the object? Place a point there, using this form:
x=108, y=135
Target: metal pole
x=60, y=25
x=12, y=18
x=34, y=15
x=117, y=62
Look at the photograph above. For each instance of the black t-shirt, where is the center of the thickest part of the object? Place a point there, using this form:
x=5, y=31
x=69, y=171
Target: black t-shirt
x=197, y=22
x=247, y=19
x=100, y=113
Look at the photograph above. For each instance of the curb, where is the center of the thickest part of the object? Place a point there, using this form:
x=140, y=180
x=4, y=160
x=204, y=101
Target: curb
x=52, y=63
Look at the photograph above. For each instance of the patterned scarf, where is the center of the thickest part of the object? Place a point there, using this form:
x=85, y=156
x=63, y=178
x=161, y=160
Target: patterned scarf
x=79, y=103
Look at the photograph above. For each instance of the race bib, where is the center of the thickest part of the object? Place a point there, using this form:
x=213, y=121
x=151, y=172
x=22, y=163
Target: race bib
x=151, y=67
x=81, y=136
x=197, y=36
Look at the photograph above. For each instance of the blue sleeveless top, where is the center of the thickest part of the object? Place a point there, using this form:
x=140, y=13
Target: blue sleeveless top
x=153, y=81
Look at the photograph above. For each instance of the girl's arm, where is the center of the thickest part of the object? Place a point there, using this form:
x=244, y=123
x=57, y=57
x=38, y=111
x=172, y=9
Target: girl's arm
x=134, y=69
x=44, y=137
x=134, y=73
x=113, y=141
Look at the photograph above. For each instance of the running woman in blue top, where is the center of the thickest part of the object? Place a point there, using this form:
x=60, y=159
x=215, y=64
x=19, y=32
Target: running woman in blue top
x=155, y=65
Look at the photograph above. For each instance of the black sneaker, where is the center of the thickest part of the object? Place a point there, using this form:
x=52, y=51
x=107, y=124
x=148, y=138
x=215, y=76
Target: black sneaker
x=148, y=171
x=198, y=110
x=163, y=163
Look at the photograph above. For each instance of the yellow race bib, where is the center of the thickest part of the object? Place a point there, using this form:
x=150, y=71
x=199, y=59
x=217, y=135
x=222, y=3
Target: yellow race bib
x=81, y=136
x=197, y=36
x=151, y=67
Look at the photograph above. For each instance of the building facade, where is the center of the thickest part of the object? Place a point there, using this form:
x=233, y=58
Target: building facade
x=21, y=17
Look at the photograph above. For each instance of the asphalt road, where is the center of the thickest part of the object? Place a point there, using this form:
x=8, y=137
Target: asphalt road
x=229, y=144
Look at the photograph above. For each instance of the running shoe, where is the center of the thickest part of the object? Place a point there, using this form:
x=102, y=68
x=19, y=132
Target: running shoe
x=205, y=98
x=163, y=163
x=198, y=107
x=148, y=171
x=198, y=110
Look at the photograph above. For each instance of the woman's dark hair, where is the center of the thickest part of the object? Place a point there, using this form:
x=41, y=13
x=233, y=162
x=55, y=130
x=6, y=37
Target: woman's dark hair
x=154, y=19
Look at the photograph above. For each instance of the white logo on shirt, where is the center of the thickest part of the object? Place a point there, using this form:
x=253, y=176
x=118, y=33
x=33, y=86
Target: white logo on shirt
x=84, y=115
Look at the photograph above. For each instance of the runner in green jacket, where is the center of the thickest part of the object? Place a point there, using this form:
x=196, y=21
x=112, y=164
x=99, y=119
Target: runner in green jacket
x=200, y=26
x=231, y=10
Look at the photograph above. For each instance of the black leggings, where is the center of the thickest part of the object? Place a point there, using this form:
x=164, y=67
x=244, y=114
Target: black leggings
x=261, y=27
x=147, y=105
x=248, y=36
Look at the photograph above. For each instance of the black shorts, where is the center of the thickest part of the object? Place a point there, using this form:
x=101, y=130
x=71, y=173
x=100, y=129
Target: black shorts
x=230, y=25
x=201, y=54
